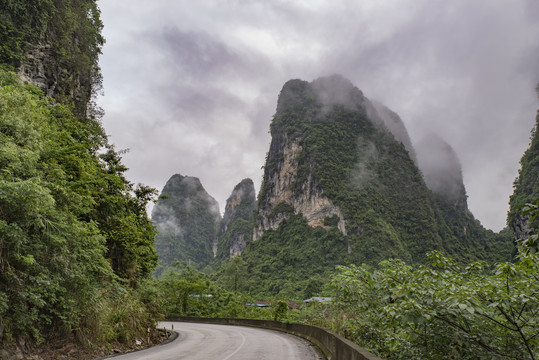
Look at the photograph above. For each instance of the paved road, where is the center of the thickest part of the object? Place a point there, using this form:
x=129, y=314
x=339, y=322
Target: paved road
x=224, y=342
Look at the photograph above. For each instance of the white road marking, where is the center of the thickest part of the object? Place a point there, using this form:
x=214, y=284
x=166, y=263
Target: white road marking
x=239, y=347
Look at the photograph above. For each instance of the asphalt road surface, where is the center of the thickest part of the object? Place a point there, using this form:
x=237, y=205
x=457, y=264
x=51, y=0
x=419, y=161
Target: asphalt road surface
x=225, y=342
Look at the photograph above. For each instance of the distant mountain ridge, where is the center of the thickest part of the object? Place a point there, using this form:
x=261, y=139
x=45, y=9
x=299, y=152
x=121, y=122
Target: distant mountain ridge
x=342, y=185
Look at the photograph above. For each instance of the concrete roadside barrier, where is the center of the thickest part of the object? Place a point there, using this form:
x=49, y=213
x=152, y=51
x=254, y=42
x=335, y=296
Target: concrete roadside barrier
x=334, y=347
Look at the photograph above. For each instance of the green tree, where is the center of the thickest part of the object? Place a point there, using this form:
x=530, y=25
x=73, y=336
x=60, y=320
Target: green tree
x=51, y=259
x=66, y=216
x=233, y=275
x=182, y=284
x=441, y=310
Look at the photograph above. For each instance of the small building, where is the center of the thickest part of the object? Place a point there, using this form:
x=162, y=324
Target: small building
x=318, y=299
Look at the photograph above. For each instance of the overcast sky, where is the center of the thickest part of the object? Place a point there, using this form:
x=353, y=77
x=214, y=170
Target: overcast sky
x=190, y=87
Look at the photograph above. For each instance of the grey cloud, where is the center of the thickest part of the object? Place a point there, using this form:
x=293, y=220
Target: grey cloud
x=441, y=168
x=190, y=88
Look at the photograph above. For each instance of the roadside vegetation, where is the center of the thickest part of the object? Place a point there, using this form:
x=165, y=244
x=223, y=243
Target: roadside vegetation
x=75, y=240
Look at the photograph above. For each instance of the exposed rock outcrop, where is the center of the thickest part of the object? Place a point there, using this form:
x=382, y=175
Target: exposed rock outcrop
x=32, y=69
x=283, y=188
x=41, y=68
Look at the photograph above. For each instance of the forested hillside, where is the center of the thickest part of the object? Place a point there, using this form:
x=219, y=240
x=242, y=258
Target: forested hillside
x=526, y=188
x=187, y=219
x=55, y=45
x=75, y=238
x=237, y=223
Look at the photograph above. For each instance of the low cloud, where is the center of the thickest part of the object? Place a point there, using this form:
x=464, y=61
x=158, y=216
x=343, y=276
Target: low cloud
x=191, y=87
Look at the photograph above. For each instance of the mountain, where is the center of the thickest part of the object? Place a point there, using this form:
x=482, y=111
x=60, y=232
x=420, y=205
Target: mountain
x=381, y=114
x=526, y=188
x=341, y=186
x=329, y=160
x=236, y=226
x=187, y=220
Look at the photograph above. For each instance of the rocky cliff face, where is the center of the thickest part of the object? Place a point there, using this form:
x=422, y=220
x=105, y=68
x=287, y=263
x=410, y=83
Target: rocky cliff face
x=55, y=46
x=41, y=68
x=187, y=219
x=236, y=225
x=304, y=198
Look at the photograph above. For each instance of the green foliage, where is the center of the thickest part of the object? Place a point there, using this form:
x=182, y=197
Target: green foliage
x=121, y=314
x=531, y=244
x=289, y=261
x=280, y=311
x=123, y=220
x=233, y=275
x=189, y=292
x=187, y=219
x=441, y=310
x=526, y=186
x=68, y=33
x=465, y=239
x=56, y=241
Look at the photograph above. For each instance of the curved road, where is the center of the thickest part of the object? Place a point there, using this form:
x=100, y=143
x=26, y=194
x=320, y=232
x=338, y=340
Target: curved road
x=225, y=342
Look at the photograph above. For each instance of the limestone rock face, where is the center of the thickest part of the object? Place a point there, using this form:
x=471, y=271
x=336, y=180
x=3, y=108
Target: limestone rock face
x=306, y=198
x=41, y=68
x=522, y=228
x=32, y=70
x=187, y=219
x=526, y=189
x=236, y=225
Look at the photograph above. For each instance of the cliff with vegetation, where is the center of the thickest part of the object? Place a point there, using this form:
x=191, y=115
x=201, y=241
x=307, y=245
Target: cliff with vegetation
x=236, y=227
x=341, y=186
x=526, y=188
x=54, y=45
x=187, y=220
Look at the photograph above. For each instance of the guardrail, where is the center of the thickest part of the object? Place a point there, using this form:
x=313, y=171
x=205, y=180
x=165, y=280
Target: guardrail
x=334, y=346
